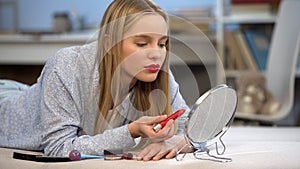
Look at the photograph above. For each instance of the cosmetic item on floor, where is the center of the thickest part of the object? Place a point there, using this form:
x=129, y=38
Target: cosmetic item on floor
x=39, y=158
x=113, y=154
x=75, y=155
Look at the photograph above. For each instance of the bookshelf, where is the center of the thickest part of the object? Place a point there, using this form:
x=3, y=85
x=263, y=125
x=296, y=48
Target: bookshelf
x=231, y=14
x=227, y=14
x=282, y=81
x=260, y=15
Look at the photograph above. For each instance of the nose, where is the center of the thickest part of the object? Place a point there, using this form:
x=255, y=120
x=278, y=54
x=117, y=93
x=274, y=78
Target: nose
x=155, y=53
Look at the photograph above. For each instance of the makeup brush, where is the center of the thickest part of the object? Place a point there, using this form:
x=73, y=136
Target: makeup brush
x=75, y=155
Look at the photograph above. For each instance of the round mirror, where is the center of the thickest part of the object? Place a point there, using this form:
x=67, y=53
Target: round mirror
x=209, y=119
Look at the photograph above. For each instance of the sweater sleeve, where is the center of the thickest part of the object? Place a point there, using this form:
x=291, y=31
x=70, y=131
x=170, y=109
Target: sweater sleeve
x=62, y=112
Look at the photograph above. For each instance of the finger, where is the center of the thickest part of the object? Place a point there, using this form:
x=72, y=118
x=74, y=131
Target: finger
x=150, y=154
x=147, y=119
x=148, y=157
x=168, y=130
x=169, y=124
x=171, y=154
x=172, y=131
x=147, y=153
x=164, y=133
x=151, y=119
x=172, y=128
x=142, y=154
x=159, y=119
x=160, y=155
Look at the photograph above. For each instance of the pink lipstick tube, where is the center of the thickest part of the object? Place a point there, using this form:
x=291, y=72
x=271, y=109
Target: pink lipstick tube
x=173, y=116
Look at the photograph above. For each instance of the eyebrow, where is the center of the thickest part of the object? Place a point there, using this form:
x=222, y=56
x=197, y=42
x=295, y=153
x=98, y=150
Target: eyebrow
x=149, y=37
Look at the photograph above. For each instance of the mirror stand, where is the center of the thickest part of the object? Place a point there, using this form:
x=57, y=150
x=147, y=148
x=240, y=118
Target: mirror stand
x=203, y=153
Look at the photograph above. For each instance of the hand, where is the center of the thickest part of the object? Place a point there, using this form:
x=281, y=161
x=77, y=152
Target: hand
x=143, y=127
x=167, y=149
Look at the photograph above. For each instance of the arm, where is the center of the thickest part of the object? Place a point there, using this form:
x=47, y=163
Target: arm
x=64, y=109
x=62, y=114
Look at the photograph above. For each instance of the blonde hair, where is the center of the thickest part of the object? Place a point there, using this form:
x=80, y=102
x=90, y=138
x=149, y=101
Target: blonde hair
x=118, y=18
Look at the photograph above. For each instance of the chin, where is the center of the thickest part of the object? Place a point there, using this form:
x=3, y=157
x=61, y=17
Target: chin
x=149, y=81
x=148, y=78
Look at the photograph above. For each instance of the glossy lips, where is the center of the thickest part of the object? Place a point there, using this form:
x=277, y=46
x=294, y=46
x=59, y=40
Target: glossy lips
x=153, y=68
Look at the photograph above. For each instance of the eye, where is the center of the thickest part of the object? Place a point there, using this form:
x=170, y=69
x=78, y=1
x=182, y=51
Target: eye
x=141, y=44
x=162, y=45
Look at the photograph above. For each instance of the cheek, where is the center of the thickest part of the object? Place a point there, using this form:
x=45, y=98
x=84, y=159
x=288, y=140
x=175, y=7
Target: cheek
x=127, y=50
x=133, y=62
x=164, y=54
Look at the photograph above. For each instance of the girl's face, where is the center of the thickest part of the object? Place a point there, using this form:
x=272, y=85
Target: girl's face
x=144, y=48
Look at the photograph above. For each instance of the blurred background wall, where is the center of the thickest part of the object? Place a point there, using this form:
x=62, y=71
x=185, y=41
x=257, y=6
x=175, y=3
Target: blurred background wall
x=38, y=14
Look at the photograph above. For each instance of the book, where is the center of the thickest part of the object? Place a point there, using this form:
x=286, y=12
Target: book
x=259, y=43
x=234, y=58
x=246, y=54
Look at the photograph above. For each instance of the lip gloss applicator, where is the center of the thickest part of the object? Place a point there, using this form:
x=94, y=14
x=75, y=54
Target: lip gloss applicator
x=75, y=155
x=173, y=116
